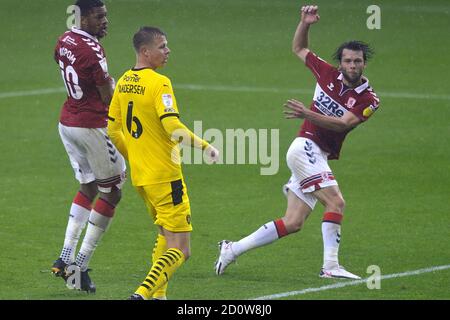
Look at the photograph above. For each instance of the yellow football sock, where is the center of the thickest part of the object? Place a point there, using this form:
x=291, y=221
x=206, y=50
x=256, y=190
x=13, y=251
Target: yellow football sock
x=159, y=249
x=161, y=271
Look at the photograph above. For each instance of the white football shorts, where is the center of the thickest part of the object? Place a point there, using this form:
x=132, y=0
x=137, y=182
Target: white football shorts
x=93, y=157
x=309, y=168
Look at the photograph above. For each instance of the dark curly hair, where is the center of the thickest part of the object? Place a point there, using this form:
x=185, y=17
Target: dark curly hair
x=354, y=45
x=87, y=5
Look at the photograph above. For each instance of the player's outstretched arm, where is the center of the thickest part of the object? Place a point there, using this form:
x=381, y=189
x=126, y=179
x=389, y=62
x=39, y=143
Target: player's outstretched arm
x=295, y=110
x=309, y=15
x=179, y=132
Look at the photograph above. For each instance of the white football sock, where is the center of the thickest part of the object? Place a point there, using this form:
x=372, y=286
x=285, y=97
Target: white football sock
x=98, y=224
x=78, y=218
x=331, y=234
x=264, y=235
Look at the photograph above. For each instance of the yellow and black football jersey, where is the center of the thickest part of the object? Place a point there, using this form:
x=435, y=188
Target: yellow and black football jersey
x=142, y=98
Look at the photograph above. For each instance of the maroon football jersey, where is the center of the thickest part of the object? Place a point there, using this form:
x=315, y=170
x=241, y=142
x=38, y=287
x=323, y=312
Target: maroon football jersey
x=83, y=66
x=333, y=98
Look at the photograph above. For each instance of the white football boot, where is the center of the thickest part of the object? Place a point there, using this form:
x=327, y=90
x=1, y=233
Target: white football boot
x=226, y=256
x=339, y=272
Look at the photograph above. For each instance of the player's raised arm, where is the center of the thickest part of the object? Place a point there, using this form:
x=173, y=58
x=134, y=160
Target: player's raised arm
x=309, y=15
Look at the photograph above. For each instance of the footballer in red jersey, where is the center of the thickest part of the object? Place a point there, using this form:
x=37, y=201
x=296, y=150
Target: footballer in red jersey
x=334, y=97
x=342, y=100
x=82, y=62
x=98, y=166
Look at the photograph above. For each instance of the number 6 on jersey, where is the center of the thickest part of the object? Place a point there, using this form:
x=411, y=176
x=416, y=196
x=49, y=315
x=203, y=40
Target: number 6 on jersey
x=130, y=119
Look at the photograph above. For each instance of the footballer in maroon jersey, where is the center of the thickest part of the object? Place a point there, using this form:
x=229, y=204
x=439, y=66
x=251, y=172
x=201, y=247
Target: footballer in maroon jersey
x=342, y=100
x=334, y=96
x=98, y=166
x=82, y=62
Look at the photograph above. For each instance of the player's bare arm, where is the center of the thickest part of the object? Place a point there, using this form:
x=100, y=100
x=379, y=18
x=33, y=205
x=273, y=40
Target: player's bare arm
x=106, y=91
x=309, y=16
x=296, y=109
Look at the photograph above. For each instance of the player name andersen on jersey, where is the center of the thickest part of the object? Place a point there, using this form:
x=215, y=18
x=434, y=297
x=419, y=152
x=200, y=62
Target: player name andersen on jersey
x=131, y=88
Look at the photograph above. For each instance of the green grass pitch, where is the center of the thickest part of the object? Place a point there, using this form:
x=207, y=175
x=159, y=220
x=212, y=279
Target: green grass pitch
x=232, y=67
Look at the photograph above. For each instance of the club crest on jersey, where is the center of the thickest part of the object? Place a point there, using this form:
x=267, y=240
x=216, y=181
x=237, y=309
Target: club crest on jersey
x=350, y=102
x=325, y=176
x=326, y=104
x=167, y=100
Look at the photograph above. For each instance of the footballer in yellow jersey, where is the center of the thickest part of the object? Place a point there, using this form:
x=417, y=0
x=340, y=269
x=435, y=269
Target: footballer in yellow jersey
x=144, y=125
x=141, y=101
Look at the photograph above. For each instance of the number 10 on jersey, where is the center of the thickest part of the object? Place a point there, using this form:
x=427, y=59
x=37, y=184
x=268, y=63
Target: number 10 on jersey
x=70, y=78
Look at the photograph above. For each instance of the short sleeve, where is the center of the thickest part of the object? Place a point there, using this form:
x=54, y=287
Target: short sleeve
x=100, y=73
x=165, y=102
x=317, y=65
x=114, y=108
x=94, y=60
x=366, y=108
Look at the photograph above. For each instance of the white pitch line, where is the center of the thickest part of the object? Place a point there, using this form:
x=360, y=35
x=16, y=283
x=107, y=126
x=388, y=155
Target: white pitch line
x=37, y=92
x=398, y=95
x=350, y=283
x=199, y=87
x=225, y=88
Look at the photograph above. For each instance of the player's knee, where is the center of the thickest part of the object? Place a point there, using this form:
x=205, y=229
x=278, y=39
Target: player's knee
x=337, y=204
x=113, y=197
x=117, y=195
x=89, y=190
x=340, y=203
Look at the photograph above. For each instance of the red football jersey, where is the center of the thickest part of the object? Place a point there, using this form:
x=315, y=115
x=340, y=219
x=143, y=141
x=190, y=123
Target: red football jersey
x=333, y=98
x=83, y=66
